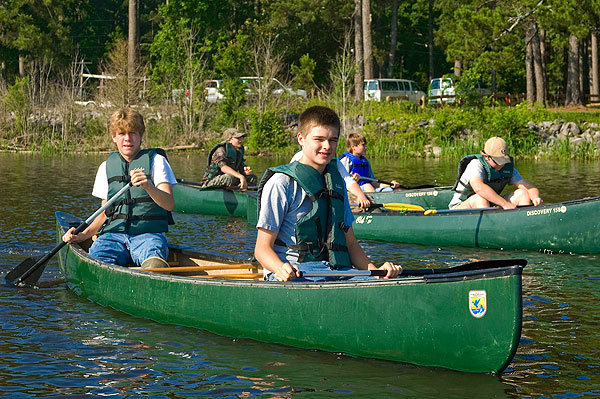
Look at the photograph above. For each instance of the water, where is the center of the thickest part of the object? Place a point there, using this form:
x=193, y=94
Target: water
x=55, y=344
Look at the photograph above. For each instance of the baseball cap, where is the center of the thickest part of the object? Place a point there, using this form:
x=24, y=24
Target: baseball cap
x=232, y=132
x=497, y=149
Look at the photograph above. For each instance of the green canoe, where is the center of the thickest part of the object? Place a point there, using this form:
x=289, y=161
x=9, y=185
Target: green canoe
x=191, y=198
x=565, y=227
x=467, y=320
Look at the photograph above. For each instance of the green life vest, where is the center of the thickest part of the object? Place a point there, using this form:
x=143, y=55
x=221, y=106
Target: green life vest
x=135, y=212
x=496, y=179
x=234, y=158
x=320, y=234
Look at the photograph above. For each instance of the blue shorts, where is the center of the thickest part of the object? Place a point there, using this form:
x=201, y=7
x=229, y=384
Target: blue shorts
x=123, y=249
x=320, y=266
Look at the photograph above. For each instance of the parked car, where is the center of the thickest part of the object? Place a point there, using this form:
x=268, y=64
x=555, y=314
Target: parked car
x=442, y=90
x=252, y=83
x=213, y=90
x=381, y=89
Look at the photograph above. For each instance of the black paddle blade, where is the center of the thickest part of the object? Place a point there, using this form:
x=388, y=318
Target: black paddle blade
x=23, y=267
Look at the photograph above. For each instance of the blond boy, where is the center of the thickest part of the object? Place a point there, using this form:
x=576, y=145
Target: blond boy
x=132, y=230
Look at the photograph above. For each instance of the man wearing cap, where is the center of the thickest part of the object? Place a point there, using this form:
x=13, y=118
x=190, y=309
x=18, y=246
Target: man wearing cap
x=225, y=166
x=482, y=177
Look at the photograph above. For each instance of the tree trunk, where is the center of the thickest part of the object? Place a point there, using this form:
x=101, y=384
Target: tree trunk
x=573, y=94
x=430, y=44
x=595, y=89
x=359, y=75
x=529, y=64
x=132, y=45
x=458, y=67
x=367, y=42
x=21, y=65
x=540, y=79
x=3, y=75
x=392, y=54
x=542, y=37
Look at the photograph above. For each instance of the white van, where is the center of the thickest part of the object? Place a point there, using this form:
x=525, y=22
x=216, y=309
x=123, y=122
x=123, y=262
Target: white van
x=381, y=89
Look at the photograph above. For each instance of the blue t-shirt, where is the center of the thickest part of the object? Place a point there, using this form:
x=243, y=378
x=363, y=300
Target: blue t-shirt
x=283, y=203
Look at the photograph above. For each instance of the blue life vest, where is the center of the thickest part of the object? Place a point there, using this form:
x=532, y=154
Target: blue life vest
x=496, y=179
x=320, y=234
x=359, y=165
x=136, y=212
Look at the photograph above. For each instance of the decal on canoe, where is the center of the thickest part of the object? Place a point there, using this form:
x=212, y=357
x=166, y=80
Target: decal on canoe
x=546, y=211
x=433, y=193
x=364, y=219
x=477, y=303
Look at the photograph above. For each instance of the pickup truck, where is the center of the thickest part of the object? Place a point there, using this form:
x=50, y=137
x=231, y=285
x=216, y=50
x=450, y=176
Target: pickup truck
x=213, y=89
x=444, y=88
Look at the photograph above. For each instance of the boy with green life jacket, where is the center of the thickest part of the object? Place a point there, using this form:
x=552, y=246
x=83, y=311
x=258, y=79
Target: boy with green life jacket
x=482, y=177
x=225, y=166
x=133, y=229
x=304, y=216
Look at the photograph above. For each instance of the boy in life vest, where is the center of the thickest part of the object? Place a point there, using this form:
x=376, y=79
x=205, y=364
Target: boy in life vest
x=225, y=167
x=352, y=186
x=303, y=210
x=358, y=166
x=482, y=177
x=133, y=229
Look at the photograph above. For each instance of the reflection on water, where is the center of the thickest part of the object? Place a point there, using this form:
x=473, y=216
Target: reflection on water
x=54, y=343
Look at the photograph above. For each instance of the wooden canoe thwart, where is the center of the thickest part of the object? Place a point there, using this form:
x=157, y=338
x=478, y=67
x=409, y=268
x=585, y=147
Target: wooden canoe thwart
x=465, y=318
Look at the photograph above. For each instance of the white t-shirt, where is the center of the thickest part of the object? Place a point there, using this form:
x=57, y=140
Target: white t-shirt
x=160, y=172
x=476, y=169
x=348, y=180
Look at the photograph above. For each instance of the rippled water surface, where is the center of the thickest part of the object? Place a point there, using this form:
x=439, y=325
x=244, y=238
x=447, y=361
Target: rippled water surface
x=55, y=344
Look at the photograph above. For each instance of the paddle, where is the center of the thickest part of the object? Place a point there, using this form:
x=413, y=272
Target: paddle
x=400, y=185
x=396, y=206
x=478, y=265
x=199, y=184
x=29, y=271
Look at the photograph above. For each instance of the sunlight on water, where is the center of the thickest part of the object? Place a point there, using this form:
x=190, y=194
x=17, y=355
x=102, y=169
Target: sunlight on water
x=56, y=344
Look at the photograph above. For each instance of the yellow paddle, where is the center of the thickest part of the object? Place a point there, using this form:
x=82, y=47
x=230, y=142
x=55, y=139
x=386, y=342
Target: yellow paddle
x=396, y=206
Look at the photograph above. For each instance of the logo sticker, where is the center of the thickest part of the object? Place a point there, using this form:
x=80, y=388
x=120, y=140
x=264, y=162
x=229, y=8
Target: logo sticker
x=477, y=303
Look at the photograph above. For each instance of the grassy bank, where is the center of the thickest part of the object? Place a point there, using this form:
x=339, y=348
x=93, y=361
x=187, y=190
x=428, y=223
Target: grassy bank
x=392, y=129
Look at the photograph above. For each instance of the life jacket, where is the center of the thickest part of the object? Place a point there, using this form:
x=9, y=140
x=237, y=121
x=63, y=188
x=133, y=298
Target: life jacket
x=135, y=212
x=359, y=165
x=234, y=158
x=496, y=179
x=320, y=234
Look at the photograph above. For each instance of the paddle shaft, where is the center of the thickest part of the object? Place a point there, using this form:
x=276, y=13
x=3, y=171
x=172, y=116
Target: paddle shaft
x=399, y=185
x=77, y=230
x=396, y=206
x=478, y=265
x=200, y=185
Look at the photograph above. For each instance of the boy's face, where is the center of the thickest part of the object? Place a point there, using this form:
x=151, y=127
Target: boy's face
x=318, y=147
x=128, y=143
x=359, y=150
x=236, y=142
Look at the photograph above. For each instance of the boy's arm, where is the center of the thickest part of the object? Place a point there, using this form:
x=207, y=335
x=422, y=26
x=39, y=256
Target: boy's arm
x=88, y=232
x=230, y=171
x=486, y=192
x=162, y=194
x=361, y=261
x=264, y=253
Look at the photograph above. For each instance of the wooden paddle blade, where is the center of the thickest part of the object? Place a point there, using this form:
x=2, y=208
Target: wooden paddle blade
x=21, y=269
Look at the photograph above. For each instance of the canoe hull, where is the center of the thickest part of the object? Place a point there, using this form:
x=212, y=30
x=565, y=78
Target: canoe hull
x=568, y=227
x=424, y=320
x=209, y=201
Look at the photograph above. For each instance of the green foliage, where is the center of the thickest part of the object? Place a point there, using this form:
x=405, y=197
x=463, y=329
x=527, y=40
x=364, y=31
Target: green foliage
x=304, y=73
x=266, y=132
x=18, y=102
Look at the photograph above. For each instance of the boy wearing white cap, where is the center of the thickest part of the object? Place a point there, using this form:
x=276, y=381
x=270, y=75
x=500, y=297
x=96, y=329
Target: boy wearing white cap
x=482, y=177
